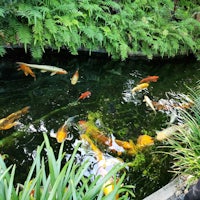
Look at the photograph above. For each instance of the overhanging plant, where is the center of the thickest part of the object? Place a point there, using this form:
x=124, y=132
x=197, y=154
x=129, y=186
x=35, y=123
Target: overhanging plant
x=121, y=28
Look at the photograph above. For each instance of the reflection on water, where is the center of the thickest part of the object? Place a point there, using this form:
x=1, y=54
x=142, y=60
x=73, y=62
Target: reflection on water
x=52, y=100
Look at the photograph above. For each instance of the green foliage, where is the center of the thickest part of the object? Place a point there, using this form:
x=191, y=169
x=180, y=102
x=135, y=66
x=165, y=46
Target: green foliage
x=186, y=144
x=58, y=181
x=122, y=28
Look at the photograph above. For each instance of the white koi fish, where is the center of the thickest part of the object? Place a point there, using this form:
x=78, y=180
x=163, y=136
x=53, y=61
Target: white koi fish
x=148, y=102
x=169, y=131
x=44, y=68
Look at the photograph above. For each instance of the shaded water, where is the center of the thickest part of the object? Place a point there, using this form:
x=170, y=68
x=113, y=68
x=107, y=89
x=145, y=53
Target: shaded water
x=52, y=99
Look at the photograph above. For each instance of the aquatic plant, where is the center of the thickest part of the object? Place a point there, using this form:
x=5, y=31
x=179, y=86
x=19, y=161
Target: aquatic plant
x=58, y=181
x=121, y=28
x=185, y=145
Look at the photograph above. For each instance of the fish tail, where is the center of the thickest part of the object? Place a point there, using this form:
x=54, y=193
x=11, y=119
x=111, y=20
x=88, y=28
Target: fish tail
x=25, y=109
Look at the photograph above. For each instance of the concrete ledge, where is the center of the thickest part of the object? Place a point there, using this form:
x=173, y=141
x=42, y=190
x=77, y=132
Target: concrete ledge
x=167, y=191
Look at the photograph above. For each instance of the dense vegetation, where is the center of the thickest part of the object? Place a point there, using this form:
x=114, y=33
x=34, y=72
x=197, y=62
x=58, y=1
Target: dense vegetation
x=185, y=145
x=48, y=179
x=121, y=28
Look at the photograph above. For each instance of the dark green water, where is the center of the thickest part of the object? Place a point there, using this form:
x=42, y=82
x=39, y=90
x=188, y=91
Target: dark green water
x=51, y=99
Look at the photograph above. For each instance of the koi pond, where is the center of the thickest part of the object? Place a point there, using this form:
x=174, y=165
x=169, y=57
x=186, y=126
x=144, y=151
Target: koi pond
x=113, y=108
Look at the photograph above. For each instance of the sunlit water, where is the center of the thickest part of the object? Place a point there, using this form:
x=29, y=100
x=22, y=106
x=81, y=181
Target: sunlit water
x=52, y=100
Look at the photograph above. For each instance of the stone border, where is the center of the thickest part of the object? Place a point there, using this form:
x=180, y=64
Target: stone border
x=172, y=191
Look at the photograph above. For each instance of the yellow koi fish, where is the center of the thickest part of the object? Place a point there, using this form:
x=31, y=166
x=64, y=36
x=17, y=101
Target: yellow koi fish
x=99, y=154
x=75, y=78
x=139, y=87
x=103, y=163
x=144, y=140
x=62, y=134
x=44, y=68
x=9, y=121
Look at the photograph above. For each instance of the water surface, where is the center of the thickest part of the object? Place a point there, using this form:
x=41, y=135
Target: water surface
x=52, y=99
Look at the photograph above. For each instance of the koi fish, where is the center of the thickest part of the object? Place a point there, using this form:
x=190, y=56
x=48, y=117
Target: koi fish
x=108, y=187
x=149, y=103
x=44, y=68
x=167, y=106
x=104, y=165
x=62, y=134
x=144, y=140
x=84, y=95
x=149, y=79
x=117, y=146
x=27, y=70
x=169, y=131
x=9, y=121
x=75, y=78
x=99, y=154
x=139, y=87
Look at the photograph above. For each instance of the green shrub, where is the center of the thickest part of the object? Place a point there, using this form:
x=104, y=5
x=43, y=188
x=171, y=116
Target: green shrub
x=121, y=28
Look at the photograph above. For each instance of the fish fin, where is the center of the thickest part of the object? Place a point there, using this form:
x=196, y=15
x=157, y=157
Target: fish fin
x=52, y=134
x=43, y=71
x=53, y=73
x=70, y=137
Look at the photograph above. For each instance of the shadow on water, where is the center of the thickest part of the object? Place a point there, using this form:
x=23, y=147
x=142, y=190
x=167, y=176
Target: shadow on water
x=52, y=99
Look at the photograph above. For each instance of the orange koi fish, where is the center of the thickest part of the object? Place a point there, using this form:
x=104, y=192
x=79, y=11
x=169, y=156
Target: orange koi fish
x=75, y=78
x=92, y=131
x=9, y=121
x=139, y=87
x=27, y=70
x=149, y=79
x=84, y=95
x=144, y=140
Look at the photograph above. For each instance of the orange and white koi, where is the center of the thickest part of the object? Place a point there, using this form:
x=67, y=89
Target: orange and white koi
x=139, y=87
x=27, y=70
x=84, y=95
x=75, y=77
x=44, y=68
x=9, y=121
x=149, y=79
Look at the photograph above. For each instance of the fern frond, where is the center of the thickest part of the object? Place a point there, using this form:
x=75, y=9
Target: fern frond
x=2, y=51
x=2, y=12
x=24, y=35
x=36, y=52
x=51, y=26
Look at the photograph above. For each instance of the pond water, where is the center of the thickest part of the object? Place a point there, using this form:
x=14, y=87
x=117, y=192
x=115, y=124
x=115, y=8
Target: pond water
x=53, y=99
